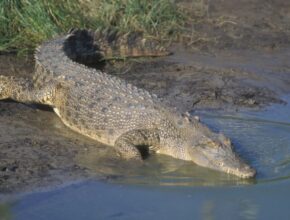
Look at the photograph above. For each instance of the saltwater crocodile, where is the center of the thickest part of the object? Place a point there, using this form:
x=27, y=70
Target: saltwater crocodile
x=114, y=112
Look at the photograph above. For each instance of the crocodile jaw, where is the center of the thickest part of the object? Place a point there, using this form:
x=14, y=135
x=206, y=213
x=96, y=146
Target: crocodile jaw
x=221, y=158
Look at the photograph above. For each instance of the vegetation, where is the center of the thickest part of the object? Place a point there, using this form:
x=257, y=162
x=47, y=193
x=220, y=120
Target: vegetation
x=26, y=23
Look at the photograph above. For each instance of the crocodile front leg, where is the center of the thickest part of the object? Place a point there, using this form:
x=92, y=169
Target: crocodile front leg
x=128, y=144
x=22, y=90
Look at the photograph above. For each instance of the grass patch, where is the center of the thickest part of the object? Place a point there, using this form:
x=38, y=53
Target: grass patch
x=26, y=23
x=160, y=18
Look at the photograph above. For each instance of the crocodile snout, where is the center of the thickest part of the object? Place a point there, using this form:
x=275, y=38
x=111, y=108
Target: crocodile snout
x=244, y=172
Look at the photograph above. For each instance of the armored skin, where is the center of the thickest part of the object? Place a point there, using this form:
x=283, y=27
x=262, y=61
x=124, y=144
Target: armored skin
x=114, y=112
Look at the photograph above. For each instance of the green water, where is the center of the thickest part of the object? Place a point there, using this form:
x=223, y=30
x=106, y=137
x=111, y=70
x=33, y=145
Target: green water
x=170, y=189
x=96, y=200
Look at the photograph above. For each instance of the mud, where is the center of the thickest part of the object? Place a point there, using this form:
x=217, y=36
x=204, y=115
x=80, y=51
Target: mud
x=228, y=80
x=240, y=62
x=246, y=24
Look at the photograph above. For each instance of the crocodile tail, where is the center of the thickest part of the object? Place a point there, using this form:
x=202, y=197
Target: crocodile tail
x=133, y=44
x=53, y=58
x=81, y=47
x=91, y=49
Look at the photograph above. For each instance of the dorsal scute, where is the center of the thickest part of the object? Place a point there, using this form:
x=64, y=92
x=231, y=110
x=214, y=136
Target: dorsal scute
x=60, y=57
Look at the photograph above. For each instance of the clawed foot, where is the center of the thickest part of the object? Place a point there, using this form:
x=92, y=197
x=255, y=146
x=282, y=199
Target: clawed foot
x=130, y=161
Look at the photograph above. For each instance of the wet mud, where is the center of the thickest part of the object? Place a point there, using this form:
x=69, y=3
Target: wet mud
x=247, y=67
x=228, y=80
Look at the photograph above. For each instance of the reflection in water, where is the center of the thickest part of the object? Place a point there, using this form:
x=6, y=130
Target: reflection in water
x=222, y=209
x=261, y=139
x=248, y=209
x=156, y=170
x=263, y=142
x=5, y=213
x=208, y=210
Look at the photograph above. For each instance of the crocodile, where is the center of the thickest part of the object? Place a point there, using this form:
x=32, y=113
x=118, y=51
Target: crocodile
x=109, y=44
x=115, y=112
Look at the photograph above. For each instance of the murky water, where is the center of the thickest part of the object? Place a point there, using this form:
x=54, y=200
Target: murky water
x=262, y=138
x=97, y=200
x=164, y=188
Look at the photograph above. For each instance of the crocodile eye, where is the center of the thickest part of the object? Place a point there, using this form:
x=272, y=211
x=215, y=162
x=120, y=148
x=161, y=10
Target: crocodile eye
x=215, y=144
x=197, y=118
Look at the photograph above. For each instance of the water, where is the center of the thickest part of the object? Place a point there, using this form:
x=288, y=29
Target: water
x=170, y=189
x=96, y=200
x=163, y=188
x=261, y=137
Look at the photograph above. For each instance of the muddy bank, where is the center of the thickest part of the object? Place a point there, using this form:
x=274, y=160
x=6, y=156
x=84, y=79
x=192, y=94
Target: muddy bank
x=37, y=150
x=235, y=24
x=228, y=80
x=233, y=73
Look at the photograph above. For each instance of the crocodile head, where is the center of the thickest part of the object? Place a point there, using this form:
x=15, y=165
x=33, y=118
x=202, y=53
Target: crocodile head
x=217, y=153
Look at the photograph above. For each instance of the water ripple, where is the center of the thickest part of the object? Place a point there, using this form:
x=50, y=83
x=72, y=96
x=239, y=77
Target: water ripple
x=261, y=138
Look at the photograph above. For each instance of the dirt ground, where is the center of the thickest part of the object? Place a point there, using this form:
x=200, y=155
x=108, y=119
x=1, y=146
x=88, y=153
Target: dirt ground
x=236, y=58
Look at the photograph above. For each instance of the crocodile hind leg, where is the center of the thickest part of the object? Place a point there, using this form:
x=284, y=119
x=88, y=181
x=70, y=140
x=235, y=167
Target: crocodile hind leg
x=131, y=144
x=22, y=90
x=127, y=150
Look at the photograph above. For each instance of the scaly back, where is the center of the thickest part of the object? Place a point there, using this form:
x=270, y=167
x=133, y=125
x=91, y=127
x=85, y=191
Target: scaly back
x=63, y=55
